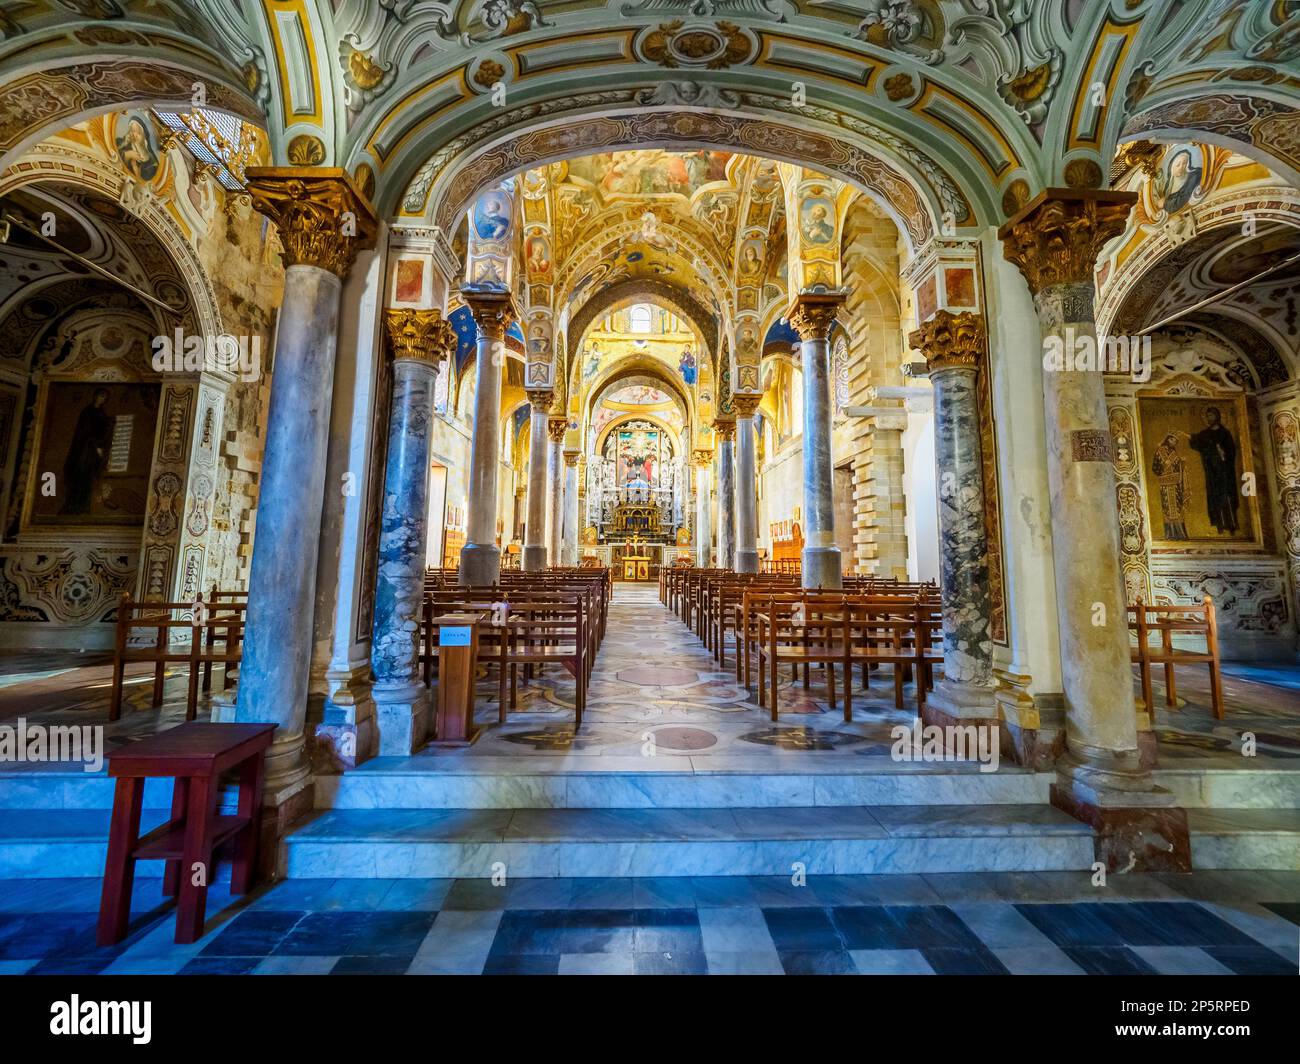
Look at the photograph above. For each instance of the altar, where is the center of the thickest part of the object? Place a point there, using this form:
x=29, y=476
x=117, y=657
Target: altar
x=635, y=561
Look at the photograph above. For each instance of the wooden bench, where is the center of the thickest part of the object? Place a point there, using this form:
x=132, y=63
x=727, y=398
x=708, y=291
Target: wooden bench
x=1162, y=621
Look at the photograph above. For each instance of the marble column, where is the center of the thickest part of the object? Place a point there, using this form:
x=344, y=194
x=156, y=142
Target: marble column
x=726, y=432
x=555, y=430
x=703, y=462
x=307, y=206
x=1054, y=241
x=812, y=316
x=420, y=340
x=534, y=558
x=746, y=485
x=480, y=558
x=571, y=508
x=953, y=346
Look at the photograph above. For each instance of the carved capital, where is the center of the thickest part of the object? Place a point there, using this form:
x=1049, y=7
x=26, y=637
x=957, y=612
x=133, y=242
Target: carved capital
x=1056, y=237
x=746, y=405
x=813, y=314
x=556, y=427
x=702, y=457
x=419, y=335
x=725, y=428
x=541, y=399
x=493, y=310
x=951, y=340
x=321, y=216
x=571, y=458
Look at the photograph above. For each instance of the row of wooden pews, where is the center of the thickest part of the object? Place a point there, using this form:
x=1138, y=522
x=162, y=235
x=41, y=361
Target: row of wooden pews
x=530, y=620
x=146, y=632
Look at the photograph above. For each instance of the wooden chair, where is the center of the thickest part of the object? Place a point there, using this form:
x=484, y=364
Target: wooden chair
x=1197, y=619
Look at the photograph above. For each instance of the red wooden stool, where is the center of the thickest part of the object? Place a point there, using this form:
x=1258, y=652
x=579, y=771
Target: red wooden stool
x=195, y=754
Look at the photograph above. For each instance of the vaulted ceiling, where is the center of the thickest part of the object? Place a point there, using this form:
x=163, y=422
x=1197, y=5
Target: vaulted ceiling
x=954, y=110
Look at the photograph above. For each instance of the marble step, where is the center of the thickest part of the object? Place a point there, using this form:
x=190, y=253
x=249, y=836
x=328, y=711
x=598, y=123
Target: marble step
x=53, y=843
x=1208, y=787
x=1245, y=838
x=50, y=787
x=476, y=843
x=677, y=783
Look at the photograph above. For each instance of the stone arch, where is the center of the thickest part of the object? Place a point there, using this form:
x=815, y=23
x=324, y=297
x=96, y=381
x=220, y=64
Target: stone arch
x=651, y=291
x=1255, y=125
x=640, y=366
x=448, y=182
x=93, y=175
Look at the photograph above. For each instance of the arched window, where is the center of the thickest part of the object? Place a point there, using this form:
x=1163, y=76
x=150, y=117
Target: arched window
x=639, y=318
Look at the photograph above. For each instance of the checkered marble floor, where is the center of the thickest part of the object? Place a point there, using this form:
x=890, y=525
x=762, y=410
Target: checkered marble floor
x=1007, y=923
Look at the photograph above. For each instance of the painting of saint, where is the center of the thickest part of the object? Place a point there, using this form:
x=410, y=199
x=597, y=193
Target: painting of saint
x=1218, y=451
x=1169, y=469
x=751, y=259
x=1179, y=180
x=687, y=365
x=492, y=216
x=97, y=440
x=136, y=147
x=1197, y=450
x=817, y=220
x=539, y=257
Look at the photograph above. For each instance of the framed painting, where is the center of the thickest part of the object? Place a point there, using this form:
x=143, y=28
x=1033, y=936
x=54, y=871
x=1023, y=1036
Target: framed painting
x=95, y=448
x=1195, y=452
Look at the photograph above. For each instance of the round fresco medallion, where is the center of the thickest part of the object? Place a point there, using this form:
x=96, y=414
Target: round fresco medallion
x=680, y=738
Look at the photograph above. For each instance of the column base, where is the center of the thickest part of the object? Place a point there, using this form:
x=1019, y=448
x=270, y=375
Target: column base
x=821, y=568
x=288, y=795
x=480, y=564
x=534, y=559
x=1137, y=827
x=345, y=734
x=953, y=704
x=1033, y=725
x=402, y=713
x=746, y=561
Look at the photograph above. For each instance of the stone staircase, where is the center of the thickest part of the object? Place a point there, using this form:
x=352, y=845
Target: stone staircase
x=547, y=816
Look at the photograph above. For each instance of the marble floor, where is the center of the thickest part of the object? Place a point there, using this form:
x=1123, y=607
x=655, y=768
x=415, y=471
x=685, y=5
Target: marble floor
x=1211, y=923
x=655, y=683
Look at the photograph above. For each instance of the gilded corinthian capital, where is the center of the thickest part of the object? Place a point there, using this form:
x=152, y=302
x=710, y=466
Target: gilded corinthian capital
x=556, y=427
x=951, y=340
x=493, y=310
x=814, y=313
x=1056, y=237
x=322, y=218
x=419, y=335
x=746, y=405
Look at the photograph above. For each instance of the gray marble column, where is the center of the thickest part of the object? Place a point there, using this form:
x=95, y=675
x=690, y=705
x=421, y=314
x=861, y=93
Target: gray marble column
x=480, y=558
x=812, y=317
x=953, y=346
x=703, y=461
x=746, y=485
x=571, y=556
x=534, y=558
x=420, y=339
x=555, y=488
x=305, y=205
x=726, y=432
x=1101, y=779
